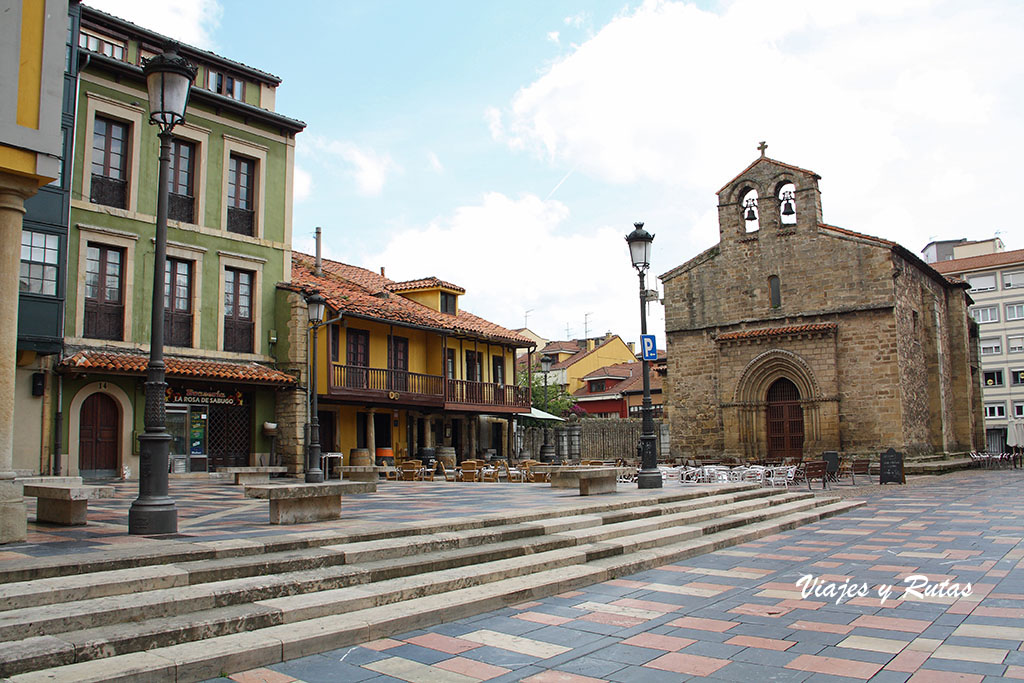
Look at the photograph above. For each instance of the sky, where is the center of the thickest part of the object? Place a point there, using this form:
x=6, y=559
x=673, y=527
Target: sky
x=508, y=147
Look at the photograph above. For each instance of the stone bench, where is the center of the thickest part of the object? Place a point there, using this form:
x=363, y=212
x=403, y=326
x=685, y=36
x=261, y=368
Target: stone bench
x=299, y=503
x=252, y=475
x=361, y=472
x=590, y=481
x=65, y=504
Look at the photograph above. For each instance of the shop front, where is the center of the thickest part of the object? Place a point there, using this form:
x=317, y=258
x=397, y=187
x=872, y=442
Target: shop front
x=210, y=427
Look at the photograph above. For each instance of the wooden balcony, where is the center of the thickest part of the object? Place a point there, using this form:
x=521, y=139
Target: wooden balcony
x=379, y=385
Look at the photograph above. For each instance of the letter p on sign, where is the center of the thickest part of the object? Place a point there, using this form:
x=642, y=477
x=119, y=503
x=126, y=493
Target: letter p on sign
x=648, y=347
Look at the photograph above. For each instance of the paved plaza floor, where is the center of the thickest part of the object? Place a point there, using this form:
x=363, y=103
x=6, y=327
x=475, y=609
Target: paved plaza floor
x=738, y=614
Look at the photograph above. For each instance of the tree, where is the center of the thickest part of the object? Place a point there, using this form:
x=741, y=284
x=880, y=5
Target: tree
x=556, y=401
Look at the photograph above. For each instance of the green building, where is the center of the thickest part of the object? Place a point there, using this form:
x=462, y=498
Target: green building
x=229, y=244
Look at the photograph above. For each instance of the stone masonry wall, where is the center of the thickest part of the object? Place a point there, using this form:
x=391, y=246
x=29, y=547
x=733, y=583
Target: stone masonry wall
x=291, y=409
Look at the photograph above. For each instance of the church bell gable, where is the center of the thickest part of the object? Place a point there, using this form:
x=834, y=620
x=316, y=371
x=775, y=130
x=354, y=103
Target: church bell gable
x=768, y=199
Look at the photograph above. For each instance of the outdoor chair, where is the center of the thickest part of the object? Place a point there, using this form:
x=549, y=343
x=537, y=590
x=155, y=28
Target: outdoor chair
x=777, y=476
x=487, y=472
x=512, y=473
x=470, y=471
x=409, y=470
x=689, y=475
x=444, y=472
x=861, y=467
x=816, y=469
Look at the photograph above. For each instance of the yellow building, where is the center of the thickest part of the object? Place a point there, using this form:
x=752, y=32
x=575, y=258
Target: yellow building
x=575, y=359
x=403, y=370
x=32, y=40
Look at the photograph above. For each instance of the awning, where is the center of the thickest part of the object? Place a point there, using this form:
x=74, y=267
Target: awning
x=541, y=415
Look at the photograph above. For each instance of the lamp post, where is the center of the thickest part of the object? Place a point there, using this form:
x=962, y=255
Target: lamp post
x=315, y=305
x=168, y=79
x=640, y=252
x=547, y=451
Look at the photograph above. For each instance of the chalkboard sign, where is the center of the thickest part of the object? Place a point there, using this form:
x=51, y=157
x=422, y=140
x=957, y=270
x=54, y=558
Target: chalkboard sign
x=890, y=466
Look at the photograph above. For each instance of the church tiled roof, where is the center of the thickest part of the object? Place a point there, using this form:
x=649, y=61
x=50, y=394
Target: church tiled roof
x=777, y=331
x=771, y=161
x=363, y=293
x=133, y=364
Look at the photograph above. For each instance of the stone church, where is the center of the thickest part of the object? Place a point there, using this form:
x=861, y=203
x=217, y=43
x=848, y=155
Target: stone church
x=791, y=336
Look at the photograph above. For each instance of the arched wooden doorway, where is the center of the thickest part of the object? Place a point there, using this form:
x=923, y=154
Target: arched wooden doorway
x=99, y=425
x=785, y=421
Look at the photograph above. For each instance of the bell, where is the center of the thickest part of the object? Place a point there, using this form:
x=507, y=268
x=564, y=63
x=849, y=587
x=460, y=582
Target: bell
x=787, y=208
x=751, y=216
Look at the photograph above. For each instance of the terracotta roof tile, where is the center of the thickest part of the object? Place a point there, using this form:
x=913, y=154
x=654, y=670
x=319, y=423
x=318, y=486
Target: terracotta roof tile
x=777, y=331
x=130, y=363
x=363, y=293
x=959, y=265
x=423, y=283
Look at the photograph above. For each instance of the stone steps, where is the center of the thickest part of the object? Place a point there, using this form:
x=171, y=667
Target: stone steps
x=381, y=587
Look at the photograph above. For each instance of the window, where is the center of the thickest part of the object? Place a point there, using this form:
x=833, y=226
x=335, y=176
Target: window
x=102, y=44
x=993, y=378
x=1013, y=280
x=1017, y=377
x=104, y=300
x=178, y=302
x=774, y=292
x=109, y=163
x=39, y=258
x=991, y=347
x=986, y=314
x=357, y=358
x=449, y=363
x=497, y=369
x=335, y=343
x=473, y=369
x=596, y=385
x=181, y=201
x=238, y=319
x=1018, y=409
x=982, y=283
x=447, y=303
x=1015, y=311
x=225, y=85
x=995, y=410
x=398, y=362
x=1015, y=344
x=241, y=180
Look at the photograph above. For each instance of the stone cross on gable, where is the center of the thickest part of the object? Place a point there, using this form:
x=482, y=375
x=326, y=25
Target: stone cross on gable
x=762, y=147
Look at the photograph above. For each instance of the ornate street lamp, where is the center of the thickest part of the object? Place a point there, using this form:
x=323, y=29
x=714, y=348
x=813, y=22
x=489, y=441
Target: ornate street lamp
x=168, y=79
x=640, y=252
x=315, y=306
x=547, y=451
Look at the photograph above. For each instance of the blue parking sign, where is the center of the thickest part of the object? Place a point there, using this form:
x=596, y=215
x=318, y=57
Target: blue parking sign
x=648, y=347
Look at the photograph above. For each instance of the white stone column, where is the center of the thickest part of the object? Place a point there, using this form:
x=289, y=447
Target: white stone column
x=14, y=190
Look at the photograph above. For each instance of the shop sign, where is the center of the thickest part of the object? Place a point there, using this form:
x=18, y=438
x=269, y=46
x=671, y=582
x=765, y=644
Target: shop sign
x=175, y=395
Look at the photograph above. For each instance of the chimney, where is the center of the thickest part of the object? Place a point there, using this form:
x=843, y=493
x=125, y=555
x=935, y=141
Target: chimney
x=318, y=270
x=590, y=344
x=382, y=272
x=632, y=347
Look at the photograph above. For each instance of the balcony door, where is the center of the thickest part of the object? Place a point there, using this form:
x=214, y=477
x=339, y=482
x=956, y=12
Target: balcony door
x=357, y=358
x=398, y=363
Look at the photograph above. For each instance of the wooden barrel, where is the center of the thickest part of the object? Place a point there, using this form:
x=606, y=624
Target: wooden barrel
x=359, y=457
x=446, y=454
x=385, y=456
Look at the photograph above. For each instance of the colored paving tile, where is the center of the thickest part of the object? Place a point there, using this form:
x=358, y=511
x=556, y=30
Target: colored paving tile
x=734, y=614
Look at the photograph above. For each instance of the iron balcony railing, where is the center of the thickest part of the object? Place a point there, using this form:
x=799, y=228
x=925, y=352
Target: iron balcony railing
x=356, y=380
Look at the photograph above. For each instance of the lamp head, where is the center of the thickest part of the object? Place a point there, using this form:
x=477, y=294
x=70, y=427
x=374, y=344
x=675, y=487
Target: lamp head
x=169, y=79
x=316, y=306
x=640, y=246
x=545, y=363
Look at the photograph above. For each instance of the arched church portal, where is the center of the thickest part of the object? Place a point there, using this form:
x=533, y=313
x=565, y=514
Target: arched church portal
x=785, y=420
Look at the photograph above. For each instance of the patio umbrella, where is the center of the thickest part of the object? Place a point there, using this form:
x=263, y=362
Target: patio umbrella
x=1015, y=434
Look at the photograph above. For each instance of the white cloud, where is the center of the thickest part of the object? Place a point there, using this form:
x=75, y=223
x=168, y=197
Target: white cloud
x=513, y=255
x=435, y=162
x=553, y=36
x=367, y=168
x=302, y=188
x=190, y=21
x=889, y=101
x=576, y=20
